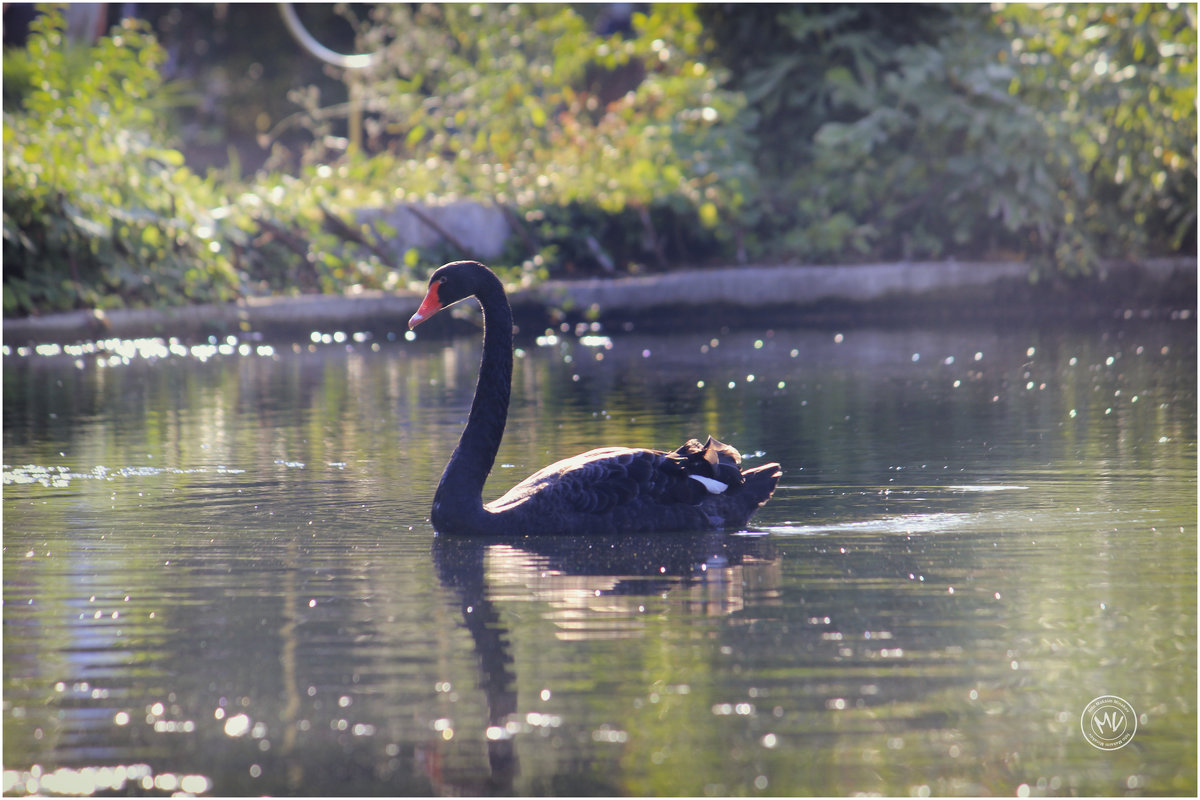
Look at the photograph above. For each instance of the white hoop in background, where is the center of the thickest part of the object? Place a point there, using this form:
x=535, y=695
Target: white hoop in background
x=297, y=29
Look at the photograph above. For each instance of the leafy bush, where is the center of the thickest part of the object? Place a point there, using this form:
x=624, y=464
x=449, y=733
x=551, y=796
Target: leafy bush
x=97, y=211
x=831, y=133
x=943, y=159
x=1115, y=88
x=1055, y=133
x=523, y=106
x=304, y=238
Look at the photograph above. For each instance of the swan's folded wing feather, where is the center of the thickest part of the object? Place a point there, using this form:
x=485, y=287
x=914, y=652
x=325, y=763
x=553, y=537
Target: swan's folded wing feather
x=601, y=480
x=601, y=484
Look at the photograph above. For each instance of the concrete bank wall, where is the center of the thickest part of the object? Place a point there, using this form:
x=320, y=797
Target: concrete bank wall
x=893, y=292
x=776, y=295
x=768, y=286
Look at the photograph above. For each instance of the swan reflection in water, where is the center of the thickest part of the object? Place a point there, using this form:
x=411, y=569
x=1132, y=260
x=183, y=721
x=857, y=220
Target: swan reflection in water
x=594, y=587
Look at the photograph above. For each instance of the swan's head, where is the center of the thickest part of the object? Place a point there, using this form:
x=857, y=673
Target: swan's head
x=450, y=283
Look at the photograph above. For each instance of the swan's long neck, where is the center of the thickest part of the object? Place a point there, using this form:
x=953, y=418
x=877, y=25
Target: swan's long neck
x=460, y=491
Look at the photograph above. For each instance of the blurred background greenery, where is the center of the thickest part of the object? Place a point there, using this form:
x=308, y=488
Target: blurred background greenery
x=198, y=154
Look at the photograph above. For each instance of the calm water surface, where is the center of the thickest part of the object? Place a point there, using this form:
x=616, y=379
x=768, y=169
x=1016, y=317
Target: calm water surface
x=219, y=575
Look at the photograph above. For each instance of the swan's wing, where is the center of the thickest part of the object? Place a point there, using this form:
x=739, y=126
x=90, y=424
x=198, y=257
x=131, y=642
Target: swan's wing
x=601, y=480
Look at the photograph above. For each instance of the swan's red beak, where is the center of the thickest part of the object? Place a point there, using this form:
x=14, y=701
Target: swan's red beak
x=429, y=306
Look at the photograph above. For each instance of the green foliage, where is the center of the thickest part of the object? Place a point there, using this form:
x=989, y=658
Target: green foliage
x=305, y=240
x=942, y=159
x=1115, y=88
x=820, y=133
x=801, y=67
x=523, y=106
x=1057, y=133
x=97, y=211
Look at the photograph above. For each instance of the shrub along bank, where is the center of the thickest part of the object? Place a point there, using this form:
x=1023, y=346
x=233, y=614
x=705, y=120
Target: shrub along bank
x=724, y=134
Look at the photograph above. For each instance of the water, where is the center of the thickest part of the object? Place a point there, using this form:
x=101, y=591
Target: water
x=219, y=576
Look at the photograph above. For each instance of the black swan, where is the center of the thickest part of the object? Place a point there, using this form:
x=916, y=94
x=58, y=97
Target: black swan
x=609, y=490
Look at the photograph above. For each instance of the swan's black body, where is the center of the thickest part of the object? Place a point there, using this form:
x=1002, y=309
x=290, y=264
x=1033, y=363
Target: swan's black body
x=610, y=490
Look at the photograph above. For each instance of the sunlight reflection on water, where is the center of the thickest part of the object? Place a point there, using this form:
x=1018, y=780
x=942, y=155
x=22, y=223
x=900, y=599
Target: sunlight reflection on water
x=913, y=523
x=219, y=574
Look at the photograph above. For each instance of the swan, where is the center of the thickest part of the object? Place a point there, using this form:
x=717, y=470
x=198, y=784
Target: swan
x=608, y=490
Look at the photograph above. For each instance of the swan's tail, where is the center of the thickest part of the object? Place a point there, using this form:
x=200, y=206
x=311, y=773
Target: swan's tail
x=759, y=484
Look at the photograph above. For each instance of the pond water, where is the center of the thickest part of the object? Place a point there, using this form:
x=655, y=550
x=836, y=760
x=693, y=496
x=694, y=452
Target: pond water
x=219, y=574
